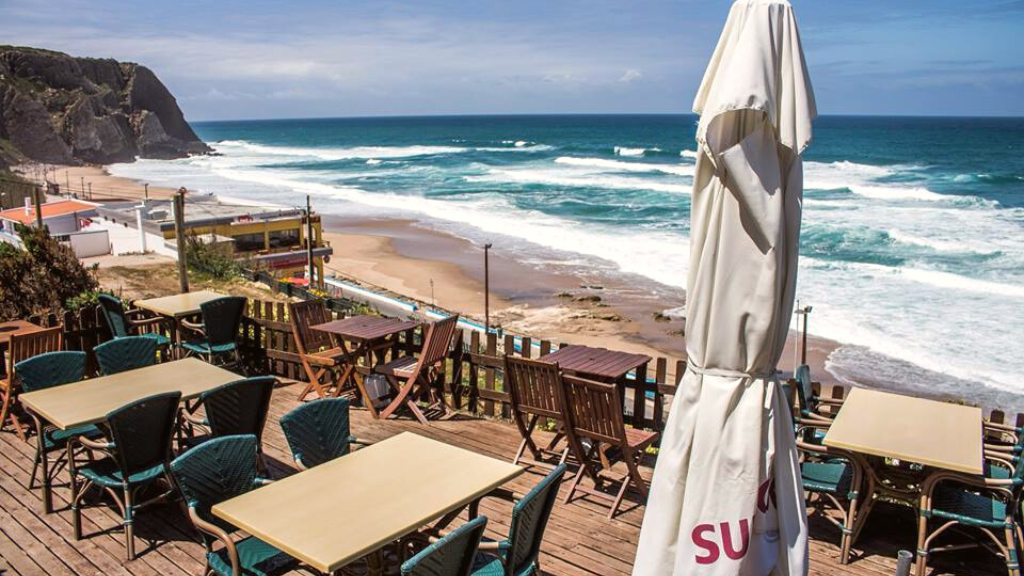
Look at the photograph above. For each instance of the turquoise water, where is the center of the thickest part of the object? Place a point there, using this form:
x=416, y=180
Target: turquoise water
x=913, y=238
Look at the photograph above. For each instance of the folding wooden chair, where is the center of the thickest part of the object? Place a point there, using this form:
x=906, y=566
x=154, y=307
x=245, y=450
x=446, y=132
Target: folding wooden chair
x=594, y=414
x=23, y=347
x=412, y=379
x=318, y=351
x=533, y=386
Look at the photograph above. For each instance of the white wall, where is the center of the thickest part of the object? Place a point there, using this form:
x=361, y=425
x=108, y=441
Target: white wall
x=92, y=243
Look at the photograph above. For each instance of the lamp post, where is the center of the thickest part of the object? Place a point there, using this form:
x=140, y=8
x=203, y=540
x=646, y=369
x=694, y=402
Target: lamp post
x=487, y=289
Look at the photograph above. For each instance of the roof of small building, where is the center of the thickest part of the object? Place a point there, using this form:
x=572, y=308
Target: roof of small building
x=50, y=210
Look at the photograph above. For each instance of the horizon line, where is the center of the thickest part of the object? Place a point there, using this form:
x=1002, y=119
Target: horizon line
x=588, y=114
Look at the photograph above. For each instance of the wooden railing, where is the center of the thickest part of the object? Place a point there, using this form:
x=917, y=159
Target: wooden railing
x=472, y=378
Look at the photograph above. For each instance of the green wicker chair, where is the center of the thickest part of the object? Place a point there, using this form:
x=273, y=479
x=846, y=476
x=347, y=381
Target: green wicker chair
x=984, y=502
x=319, y=431
x=137, y=455
x=38, y=373
x=214, y=472
x=518, y=555
x=123, y=354
x=838, y=478
x=452, y=555
x=122, y=323
x=239, y=407
x=219, y=329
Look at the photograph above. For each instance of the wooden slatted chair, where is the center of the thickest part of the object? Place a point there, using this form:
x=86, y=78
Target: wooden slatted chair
x=533, y=388
x=23, y=347
x=594, y=414
x=318, y=352
x=412, y=379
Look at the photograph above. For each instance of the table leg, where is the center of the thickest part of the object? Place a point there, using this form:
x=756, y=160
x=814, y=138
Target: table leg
x=640, y=396
x=44, y=467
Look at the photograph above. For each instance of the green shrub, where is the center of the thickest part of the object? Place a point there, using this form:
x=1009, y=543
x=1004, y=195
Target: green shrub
x=41, y=278
x=215, y=261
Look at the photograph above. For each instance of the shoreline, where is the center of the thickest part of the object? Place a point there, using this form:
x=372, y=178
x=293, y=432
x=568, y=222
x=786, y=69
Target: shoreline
x=403, y=256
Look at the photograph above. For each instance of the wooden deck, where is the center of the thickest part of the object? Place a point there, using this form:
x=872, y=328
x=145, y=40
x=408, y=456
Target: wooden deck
x=579, y=540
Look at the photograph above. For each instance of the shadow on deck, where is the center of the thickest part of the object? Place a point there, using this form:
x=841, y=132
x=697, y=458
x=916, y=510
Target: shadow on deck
x=579, y=539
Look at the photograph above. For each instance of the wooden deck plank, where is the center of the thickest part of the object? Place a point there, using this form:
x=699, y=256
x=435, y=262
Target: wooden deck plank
x=579, y=541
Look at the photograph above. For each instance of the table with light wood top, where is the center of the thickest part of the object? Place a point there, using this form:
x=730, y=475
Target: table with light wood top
x=89, y=401
x=178, y=305
x=340, y=511
x=937, y=434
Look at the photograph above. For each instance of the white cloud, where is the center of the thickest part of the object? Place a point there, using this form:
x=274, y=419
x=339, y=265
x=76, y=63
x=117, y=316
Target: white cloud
x=631, y=75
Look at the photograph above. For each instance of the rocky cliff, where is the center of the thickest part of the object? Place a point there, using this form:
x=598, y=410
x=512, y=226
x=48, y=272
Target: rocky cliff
x=57, y=108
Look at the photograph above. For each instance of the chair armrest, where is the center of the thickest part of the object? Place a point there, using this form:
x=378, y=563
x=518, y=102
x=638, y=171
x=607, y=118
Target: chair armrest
x=218, y=533
x=146, y=321
x=93, y=445
x=937, y=478
x=1002, y=427
x=196, y=326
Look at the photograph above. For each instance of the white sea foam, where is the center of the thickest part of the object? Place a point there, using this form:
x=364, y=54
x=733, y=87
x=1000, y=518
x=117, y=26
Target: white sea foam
x=575, y=179
x=373, y=161
x=224, y=146
x=618, y=166
x=958, y=324
x=650, y=254
x=898, y=235
x=624, y=151
x=688, y=154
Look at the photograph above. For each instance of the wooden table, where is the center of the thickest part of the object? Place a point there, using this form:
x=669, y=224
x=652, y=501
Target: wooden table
x=340, y=511
x=363, y=337
x=604, y=365
x=19, y=327
x=89, y=401
x=8, y=329
x=937, y=434
x=882, y=425
x=178, y=307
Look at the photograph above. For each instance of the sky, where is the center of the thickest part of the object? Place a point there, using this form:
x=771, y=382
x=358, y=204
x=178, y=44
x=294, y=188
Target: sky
x=238, y=59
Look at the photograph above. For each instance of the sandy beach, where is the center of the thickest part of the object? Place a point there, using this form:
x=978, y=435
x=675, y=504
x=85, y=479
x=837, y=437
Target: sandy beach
x=446, y=271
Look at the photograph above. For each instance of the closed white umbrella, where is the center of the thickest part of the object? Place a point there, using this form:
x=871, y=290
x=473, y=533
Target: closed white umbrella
x=726, y=497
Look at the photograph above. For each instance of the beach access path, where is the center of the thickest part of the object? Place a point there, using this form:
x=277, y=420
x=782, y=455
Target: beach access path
x=579, y=539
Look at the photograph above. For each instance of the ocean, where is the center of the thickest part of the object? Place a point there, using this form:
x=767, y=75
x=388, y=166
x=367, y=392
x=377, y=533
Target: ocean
x=912, y=251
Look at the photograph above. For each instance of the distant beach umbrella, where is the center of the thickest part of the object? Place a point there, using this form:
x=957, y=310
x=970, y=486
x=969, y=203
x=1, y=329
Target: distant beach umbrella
x=726, y=498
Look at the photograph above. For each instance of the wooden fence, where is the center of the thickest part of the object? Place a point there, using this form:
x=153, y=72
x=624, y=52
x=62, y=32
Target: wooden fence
x=472, y=378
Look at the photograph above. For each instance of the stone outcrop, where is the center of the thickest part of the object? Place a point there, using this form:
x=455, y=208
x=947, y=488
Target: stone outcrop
x=56, y=108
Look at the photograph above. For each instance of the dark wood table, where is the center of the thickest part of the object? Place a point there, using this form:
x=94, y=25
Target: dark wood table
x=19, y=327
x=364, y=338
x=603, y=365
x=8, y=329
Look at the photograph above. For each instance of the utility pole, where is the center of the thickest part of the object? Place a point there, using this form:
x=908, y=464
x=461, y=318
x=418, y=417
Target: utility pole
x=39, y=206
x=90, y=190
x=147, y=190
x=309, y=240
x=179, y=237
x=83, y=186
x=487, y=289
x=67, y=181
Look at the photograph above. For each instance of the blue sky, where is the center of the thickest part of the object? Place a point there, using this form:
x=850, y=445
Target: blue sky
x=275, y=59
